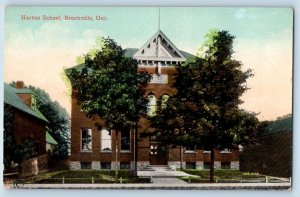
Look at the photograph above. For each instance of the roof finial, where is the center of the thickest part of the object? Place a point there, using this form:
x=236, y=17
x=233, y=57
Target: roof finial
x=158, y=18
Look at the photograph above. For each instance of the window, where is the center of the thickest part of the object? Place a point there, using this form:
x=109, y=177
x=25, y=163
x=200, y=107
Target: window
x=124, y=165
x=86, y=139
x=190, y=149
x=206, y=165
x=105, y=140
x=125, y=140
x=164, y=100
x=86, y=165
x=190, y=165
x=225, y=165
x=33, y=102
x=151, y=106
x=226, y=150
x=105, y=165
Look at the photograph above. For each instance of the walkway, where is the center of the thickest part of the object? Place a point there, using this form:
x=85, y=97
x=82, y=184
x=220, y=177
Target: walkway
x=199, y=186
x=161, y=171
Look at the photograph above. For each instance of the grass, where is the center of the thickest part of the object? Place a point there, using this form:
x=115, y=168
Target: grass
x=222, y=176
x=96, y=176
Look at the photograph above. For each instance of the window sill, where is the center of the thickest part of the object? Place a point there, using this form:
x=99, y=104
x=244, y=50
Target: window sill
x=190, y=152
x=86, y=151
x=105, y=151
x=225, y=152
x=125, y=151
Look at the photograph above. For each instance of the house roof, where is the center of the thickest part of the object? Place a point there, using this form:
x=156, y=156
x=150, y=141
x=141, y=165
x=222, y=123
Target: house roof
x=281, y=125
x=159, y=47
x=50, y=139
x=164, y=50
x=11, y=98
x=128, y=53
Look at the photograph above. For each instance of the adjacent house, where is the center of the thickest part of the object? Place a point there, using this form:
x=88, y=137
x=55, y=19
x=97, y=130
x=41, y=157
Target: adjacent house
x=29, y=124
x=94, y=149
x=273, y=156
x=51, y=143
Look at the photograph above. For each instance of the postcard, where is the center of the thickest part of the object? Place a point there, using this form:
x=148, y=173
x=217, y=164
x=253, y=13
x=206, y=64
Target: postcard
x=148, y=98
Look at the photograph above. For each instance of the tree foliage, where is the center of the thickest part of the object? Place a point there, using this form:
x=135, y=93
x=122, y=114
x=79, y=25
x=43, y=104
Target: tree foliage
x=111, y=87
x=205, y=111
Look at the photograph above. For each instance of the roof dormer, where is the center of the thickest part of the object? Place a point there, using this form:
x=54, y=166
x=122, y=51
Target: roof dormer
x=26, y=94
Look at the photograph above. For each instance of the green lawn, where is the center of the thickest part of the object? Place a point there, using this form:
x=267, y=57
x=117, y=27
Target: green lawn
x=222, y=176
x=93, y=176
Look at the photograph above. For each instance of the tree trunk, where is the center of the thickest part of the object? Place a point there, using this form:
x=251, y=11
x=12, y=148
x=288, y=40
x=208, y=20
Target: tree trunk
x=136, y=147
x=181, y=158
x=212, y=165
x=116, y=155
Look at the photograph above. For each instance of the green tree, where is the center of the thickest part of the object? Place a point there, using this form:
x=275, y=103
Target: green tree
x=111, y=87
x=205, y=111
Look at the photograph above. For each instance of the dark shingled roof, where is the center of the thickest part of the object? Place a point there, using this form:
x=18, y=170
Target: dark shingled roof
x=129, y=52
x=11, y=98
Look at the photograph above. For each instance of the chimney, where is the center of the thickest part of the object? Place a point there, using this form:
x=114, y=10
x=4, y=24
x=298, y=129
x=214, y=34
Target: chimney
x=20, y=85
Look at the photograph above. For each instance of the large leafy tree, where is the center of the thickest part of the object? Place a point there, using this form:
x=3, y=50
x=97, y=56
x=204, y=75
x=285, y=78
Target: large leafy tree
x=111, y=87
x=205, y=111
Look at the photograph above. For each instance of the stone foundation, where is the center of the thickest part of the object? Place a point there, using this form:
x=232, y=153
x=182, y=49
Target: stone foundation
x=132, y=165
x=75, y=165
x=96, y=165
x=235, y=165
x=176, y=164
x=113, y=165
x=217, y=165
x=199, y=165
x=142, y=164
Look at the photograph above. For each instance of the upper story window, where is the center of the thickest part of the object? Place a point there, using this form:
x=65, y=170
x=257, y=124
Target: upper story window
x=152, y=105
x=105, y=140
x=164, y=100
x=125, y=140
x=86, y=139
x=190, y=149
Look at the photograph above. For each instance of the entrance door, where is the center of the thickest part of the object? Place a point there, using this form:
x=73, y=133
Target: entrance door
x=158, y=154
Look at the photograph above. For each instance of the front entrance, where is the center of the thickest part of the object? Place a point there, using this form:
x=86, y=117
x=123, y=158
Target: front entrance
x=158, y=153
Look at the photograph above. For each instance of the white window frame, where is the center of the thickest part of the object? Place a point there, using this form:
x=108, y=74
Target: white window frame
x=101, y=140
x=149, y=105
x=81, y=148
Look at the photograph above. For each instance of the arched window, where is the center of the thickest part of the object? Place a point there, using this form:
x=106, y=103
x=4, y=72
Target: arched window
x=164, y=100
x=151, y=105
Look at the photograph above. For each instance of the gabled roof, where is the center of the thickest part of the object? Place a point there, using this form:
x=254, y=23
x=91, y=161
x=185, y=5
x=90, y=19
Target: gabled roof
x=11, y=98
x=50, y=139
x=159, y=47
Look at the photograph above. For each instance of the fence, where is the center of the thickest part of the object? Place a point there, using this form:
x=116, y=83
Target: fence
x=91, y=180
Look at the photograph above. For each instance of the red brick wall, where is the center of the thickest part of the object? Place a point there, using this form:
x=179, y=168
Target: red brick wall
x=79, y=120
x=27, y=126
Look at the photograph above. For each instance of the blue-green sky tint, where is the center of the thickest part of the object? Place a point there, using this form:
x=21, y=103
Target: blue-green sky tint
x=263, y=43
x=186, y=25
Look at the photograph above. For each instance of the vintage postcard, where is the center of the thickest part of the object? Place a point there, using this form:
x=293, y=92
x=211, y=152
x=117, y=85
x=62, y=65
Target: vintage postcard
x=148, y=97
